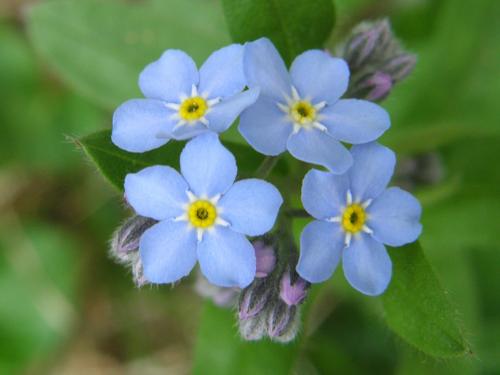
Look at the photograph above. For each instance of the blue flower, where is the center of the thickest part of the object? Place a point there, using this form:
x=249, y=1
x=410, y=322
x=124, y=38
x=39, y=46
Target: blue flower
x=203, y=216
x=182, y=102
x=356, y=215
x=301, y=111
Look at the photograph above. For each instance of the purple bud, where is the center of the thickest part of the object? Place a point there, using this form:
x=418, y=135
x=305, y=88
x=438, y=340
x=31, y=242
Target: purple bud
x=223, y=297
x=366, y=39
x=399, y=67
x=293, y=293
x=282, y=322
x=266, y=259
x=126, y=238
x=254, y=299
x=379, y=86
x=138, y=270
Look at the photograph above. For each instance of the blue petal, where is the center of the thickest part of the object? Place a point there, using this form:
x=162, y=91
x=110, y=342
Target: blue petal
x=222, y=74
x=372, y=170
x=169, y=77
x=223, y=114
x=315, y=146
x=227, y=258
x=208, y=167
x=319, y=76
x=189, y=131
x=141, y=125
x=323, y=193
x=367, y=265
x=355, y=121
x=168, y=251
x=264, y=68
x=394, y=217
x=251, y=206
x=265, y=127
x=157, y=192
x=321, y=246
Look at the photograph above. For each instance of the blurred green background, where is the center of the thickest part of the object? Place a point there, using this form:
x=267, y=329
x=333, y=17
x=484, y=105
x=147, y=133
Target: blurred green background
x=66, y=308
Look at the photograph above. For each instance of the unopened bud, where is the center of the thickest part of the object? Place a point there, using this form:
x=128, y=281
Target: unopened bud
x=366, y=40
x=282, y=322
x=266, y=258
x=125, y=240
x=399, y=67
x=253, y=329
x=254, y=299
x=376, y=61
x=293, y=292
x=223, y=297
x=137, y=270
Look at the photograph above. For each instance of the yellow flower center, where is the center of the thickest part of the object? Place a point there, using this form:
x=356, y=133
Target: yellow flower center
x=303, y=112
x=353, y=218
x=202, y=214
x=192, y=109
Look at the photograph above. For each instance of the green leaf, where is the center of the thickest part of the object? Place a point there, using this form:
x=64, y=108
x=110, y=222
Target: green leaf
x=293, y=26
x=220, y=350
x=100, y=47
x=417, y=308
x=115, y=163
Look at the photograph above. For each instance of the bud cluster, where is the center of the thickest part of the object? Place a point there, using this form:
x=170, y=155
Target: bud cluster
x=270, y=306
x=124, y=247
x=376, y=61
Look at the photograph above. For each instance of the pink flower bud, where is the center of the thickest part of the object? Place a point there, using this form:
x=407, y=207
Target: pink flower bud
x=266, y=259
x=293, y=293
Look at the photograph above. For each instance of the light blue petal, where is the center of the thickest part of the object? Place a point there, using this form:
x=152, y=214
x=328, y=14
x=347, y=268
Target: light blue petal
x=323, y=193
x=251, y=206
x=189, y=131
x=367, y=265
x=372, y=170
x=227, y=258
x=158, y=192
x=355, y=121
x=208, y=167
x=169, y=77
x=394, y=217
x=168, y=251
x=319, y=77
x=321, y=246
x=264, y=68
x=222, y=74
x=223, y=114
x=265, y=127
x=315, y=146
x=140, y=125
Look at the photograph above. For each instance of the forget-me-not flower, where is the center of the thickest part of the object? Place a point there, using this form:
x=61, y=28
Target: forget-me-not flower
x=203, y=215
x=356, y=214
x=182, y=102
x=301, y=111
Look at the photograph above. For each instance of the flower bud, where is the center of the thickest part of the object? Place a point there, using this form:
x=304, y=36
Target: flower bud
x=293, y=293
x=137, y=270
x=222, y=297
x=374, y=87
x=266, y=259
x=254, y=299
x=366, y=40
x=283, y=322
x=399, y=67
x=253, y=329
x=125, y=240
x=376, y=61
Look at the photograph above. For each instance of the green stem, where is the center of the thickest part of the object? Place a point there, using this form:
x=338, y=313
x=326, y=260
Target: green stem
x=266, y=166
x=297, y=212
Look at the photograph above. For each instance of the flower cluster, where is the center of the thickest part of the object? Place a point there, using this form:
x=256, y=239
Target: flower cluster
x=201, y=215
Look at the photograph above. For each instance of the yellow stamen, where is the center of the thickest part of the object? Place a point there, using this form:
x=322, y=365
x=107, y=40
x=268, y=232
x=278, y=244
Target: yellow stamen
x=193, y=108
x=353, y=218
x=202, y=214
x=303, y=112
